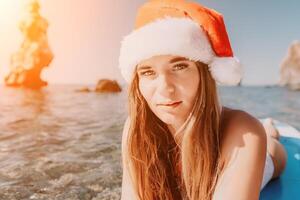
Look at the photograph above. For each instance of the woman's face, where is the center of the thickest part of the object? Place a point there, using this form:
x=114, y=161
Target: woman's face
x=169, y=85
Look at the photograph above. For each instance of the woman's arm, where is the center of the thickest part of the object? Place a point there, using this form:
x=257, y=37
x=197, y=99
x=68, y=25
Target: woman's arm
x=244, y=148
x=127, y=188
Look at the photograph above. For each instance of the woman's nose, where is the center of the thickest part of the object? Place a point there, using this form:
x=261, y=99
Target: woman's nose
x=165, y=84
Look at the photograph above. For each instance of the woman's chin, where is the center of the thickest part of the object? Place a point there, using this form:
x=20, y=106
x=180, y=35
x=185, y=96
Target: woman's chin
x=168, y=118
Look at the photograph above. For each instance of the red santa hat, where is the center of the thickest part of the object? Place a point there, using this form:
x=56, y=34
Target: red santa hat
x=180, y=28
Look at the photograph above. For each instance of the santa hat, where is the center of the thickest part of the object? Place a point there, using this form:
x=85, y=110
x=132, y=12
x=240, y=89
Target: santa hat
x=180, y=28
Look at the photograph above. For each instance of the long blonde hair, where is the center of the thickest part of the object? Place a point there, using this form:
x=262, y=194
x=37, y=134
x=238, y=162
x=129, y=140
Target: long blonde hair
x=159, y=167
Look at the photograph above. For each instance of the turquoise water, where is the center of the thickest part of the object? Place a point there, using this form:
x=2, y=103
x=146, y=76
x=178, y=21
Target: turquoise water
x=60, y=144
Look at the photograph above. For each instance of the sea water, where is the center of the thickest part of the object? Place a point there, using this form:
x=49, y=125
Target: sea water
x=56, y=143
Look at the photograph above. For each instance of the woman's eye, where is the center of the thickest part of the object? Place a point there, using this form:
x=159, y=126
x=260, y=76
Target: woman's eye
x=180, y=66
x=147, y=73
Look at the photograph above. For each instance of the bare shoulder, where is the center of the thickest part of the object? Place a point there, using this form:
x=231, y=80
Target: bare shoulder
x=127, y=185
x=238, y=120
x=125, y=131
x=240, y=128
x=125, y=134
x=243, y=150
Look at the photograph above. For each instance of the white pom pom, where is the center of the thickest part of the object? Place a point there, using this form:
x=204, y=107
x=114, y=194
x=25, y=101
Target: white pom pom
x=226, y=70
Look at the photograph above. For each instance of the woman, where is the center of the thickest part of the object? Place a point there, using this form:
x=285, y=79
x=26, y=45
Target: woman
x=179, y=142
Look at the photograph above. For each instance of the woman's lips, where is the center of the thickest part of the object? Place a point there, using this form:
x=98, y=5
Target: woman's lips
x=173, y=104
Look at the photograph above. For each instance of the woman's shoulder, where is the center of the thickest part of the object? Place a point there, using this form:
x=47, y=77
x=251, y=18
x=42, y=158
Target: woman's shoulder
x=125, y=132
x=243, y=154
x=235, y=121
x=240, y=130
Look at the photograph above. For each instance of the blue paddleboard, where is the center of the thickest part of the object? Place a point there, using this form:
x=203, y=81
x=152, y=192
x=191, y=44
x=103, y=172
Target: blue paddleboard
x=287, y=186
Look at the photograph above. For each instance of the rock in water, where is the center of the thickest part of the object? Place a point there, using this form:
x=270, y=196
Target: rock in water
x=34, y=54
x=290, y=67
x=106, y=85
x=83, y=89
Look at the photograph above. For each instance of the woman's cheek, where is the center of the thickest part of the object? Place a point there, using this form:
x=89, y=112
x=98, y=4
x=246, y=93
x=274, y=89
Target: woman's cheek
x=146, y=90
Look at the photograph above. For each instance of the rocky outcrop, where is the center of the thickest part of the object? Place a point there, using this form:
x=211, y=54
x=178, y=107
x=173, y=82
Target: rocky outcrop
x=106, y=85
x=103, y=86
x=84, y=89
x=290, y=67
x=34, y=54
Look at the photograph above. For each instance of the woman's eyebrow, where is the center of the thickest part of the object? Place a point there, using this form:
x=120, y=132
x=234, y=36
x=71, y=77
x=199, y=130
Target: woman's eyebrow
x=176, y=59
x=173, y=60
x=143, y=67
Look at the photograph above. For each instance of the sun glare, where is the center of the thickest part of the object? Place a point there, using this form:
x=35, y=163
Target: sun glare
x=10, y=11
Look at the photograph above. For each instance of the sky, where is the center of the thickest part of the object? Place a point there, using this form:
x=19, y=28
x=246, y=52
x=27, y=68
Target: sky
x=85, y=36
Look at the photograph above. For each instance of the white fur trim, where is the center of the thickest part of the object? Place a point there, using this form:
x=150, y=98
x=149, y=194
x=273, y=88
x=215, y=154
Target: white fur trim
x=226, y=70
x=167, y=36
x=178, y=37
